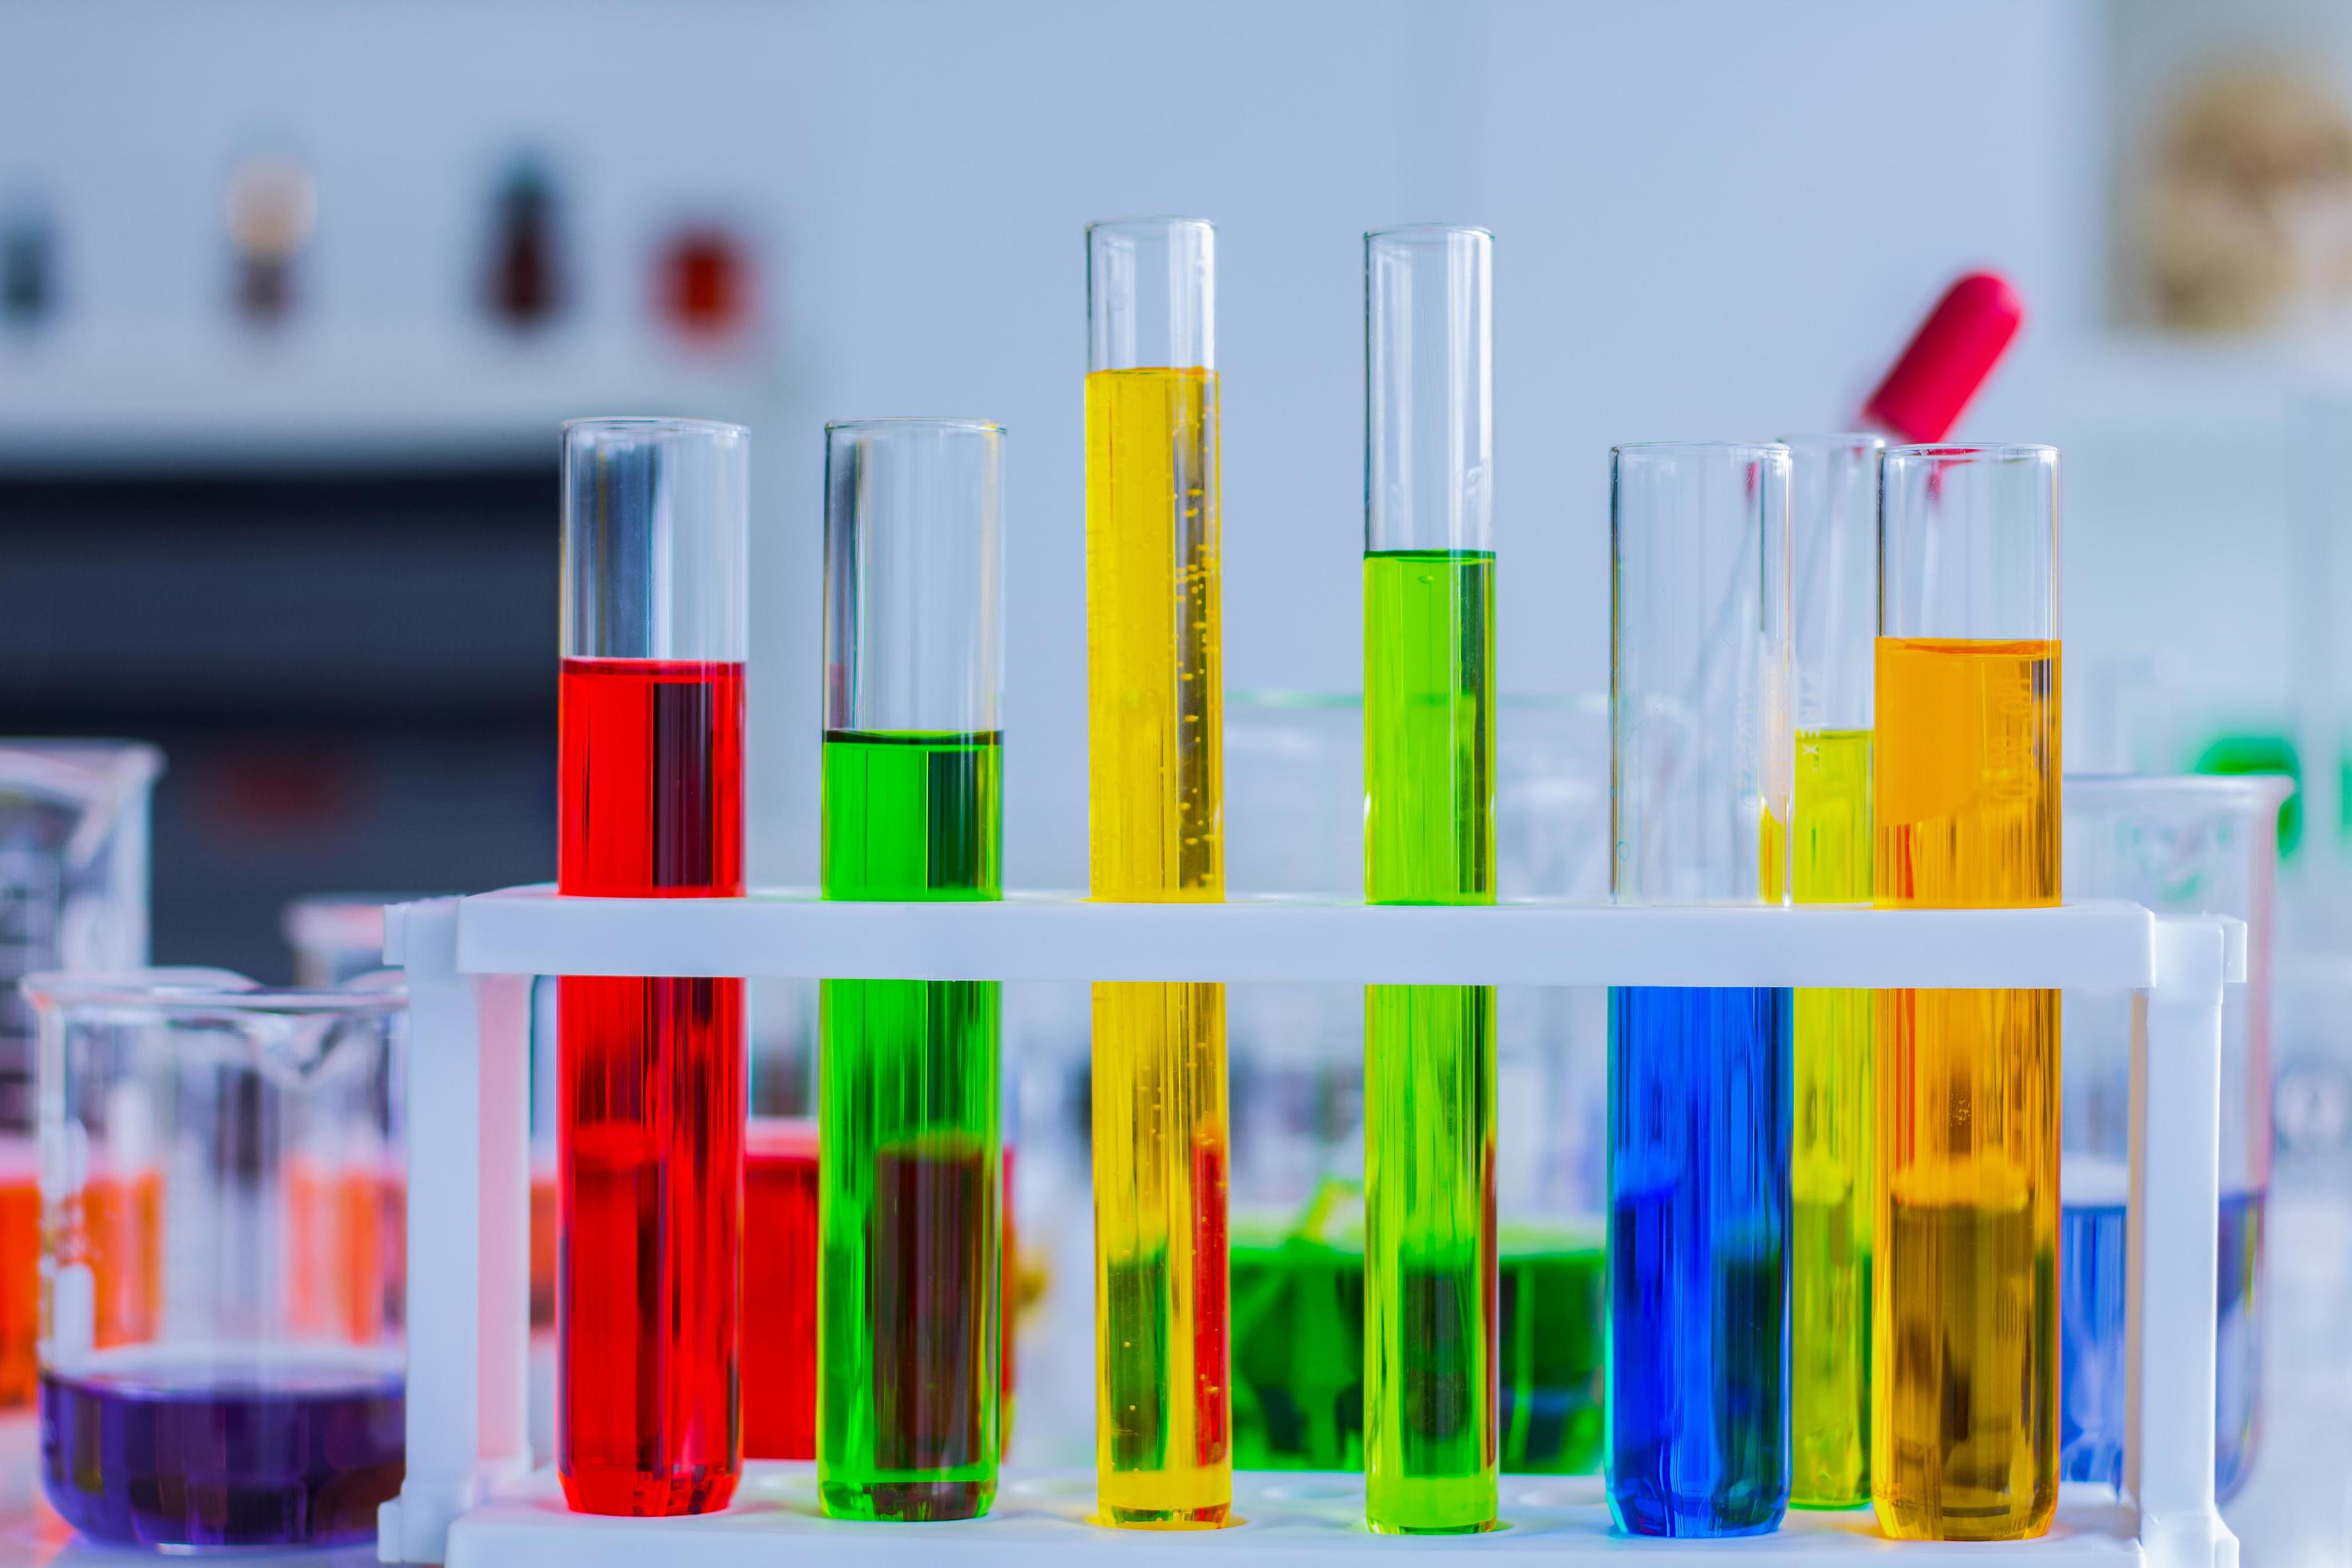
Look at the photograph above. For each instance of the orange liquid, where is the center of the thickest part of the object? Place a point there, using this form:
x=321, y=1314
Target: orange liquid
x=542, y=1243
x=1964, y=1356
x=346, y=1247
x=114, y=1227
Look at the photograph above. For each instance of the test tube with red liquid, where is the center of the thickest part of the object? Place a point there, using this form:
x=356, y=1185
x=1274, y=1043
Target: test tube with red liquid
x=650, y=1131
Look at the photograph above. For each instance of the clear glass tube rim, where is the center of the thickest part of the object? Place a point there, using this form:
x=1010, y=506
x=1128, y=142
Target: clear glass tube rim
x=174, y=990
x=1973, y=451
x=1427, y=232
x=1746, y=451
x=896, y=422
x=1850, y=441
x=661, y=424
x=1149, y=223
x=2219, y=790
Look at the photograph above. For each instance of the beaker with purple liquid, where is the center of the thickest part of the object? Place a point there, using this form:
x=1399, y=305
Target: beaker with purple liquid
x=223, y=1200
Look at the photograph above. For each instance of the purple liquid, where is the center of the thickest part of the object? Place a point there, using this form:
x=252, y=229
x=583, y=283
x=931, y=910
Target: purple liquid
x=185, y=1458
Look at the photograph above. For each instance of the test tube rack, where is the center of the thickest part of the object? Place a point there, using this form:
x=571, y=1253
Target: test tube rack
x=472, y=1499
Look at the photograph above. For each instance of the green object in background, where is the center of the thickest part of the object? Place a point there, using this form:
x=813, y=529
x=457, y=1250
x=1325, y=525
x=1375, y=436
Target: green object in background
x=2233, y=754
x=1299, y=1362
x=1428, y=1259
x=909, y=1186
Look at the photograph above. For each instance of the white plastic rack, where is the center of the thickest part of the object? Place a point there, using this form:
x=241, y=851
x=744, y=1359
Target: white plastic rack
x=471, y=1498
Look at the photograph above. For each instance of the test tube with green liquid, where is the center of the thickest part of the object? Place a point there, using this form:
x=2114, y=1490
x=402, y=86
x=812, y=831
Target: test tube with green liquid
x=1430, y=1432
x=910, y=1185
x=1834, y=547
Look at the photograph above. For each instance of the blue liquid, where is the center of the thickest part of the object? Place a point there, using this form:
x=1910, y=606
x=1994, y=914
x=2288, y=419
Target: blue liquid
x=172, y=1456
x=2091, y=1409
x=1699, y=1093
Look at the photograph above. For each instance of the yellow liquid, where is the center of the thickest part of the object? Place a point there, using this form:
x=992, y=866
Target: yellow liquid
x=1154, y=709
x=1831, y=1243
x=1964, y=1441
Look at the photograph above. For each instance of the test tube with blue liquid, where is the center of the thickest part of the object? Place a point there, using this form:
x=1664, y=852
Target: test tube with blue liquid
x=1699, y=1078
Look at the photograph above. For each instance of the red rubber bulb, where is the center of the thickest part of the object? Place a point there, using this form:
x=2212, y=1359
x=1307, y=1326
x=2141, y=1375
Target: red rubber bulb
x=1947, y=358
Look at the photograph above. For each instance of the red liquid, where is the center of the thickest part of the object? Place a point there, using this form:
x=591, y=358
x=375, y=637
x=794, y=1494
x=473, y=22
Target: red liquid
x=20, y=1272
x=650, y=1139
x=1211, y=1354
x=779, y=1291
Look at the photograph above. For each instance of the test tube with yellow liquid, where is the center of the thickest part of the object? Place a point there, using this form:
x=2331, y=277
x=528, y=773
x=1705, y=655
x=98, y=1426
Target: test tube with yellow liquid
x=1834, y=594
x=1155, y=735
x=1965, y=791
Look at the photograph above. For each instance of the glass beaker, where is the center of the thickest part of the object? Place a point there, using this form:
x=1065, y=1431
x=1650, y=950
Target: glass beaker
x=1294, y=770
x=223, y=1279
x=1294, y=766
x=73, y=895
x=2198, y=845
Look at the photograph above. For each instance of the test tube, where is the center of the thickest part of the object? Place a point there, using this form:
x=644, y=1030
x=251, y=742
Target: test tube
x=1429, y=838
x=1155, y=738
x=909, y=1073
x=908, y=1094
x=650, y=1130
x=1834, y=594
x=1964, y=1353
x=1700, y=1077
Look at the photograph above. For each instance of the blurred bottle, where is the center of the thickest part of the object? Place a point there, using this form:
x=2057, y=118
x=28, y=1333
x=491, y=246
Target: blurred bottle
x=703, y=284
x=27, y=262
x=270, y=206
x=526, y=283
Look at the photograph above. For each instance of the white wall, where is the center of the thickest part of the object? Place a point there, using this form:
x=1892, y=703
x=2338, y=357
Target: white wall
x=1713, y=219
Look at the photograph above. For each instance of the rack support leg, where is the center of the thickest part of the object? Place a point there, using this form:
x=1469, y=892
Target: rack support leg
x=2176, y=1151
x=468, y=1109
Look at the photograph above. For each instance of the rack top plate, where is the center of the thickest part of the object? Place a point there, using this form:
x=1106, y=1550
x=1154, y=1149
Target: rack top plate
x=1032, y=936
x=1041, y=1518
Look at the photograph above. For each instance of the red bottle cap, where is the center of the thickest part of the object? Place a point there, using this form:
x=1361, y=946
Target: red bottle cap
x=1947, y=358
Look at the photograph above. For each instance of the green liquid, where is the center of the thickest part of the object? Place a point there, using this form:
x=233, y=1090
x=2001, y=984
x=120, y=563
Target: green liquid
x=910, y=1185
x=1429, y=1431
x=1831, y=1160
x=1298, y=1359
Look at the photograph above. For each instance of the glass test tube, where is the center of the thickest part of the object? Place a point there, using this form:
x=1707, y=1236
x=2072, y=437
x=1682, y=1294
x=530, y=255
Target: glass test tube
x=1833, y=595
x=1964, y=1355
x=650, y=1131
x=908, y=1093
x=1155, y=724
x=1700, y=1077
x=1428, y=1373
